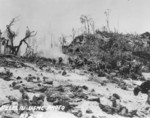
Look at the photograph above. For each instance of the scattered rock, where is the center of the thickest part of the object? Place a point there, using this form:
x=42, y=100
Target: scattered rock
x=18, y=78
x=133, y=113
x=60, y=88
x=85, y=87
x=123, y=111
x=38, y=100
x=41, y=89
x=60, y=60
x=45, y=78
x=15, y=85
x=94, y=116
x=6, y=75
x=92, y=90
x=89, y=111
x=10, y=116
x=64, y=73
x=50, y=99
x=81, y=95
x=107, y=109
x=63, y=103
x=96, y=99
x=11, y=98
x=48, y=82
x=77, y=113
x=113, y=74
x=116, y=96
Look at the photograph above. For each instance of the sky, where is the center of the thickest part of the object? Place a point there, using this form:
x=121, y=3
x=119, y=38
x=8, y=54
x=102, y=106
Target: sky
x=52, y=18
x=60, y=16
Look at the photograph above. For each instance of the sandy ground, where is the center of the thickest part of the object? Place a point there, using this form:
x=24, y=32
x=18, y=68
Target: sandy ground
x=78, y=77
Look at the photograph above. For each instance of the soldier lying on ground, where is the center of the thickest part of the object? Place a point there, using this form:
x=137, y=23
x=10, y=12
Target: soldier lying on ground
x=143, y=88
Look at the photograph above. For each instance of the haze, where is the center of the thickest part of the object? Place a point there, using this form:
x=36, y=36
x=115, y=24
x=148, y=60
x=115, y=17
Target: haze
x=51, y=18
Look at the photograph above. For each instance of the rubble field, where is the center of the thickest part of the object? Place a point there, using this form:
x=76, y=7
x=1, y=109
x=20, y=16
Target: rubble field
x=78, y=92
x=95, y=80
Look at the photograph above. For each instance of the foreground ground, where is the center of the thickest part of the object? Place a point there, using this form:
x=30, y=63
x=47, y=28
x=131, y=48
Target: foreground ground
x=82, y=94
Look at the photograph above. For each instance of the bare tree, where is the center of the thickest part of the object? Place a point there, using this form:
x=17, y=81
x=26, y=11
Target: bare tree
x=92, y=24
x=107, y=12
x=73, y=33
x=9, y=43
x=86, y=21
x=1, y=39
x=62, y=40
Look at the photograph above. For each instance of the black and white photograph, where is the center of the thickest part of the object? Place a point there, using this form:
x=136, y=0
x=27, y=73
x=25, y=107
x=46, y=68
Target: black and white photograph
x=74, y=59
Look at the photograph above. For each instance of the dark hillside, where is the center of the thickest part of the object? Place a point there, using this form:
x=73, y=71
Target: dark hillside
x=116, y=51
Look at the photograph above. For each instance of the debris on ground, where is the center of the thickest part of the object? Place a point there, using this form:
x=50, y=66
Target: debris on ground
x=93, y=83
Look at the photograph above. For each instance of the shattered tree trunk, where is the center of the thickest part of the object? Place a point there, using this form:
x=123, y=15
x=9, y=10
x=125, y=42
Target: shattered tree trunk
x=1, y=47
x=5, y=49
x=9, y=45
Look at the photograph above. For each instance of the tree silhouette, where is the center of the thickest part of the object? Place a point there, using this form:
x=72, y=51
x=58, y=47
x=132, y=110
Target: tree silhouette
x=9, y=43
